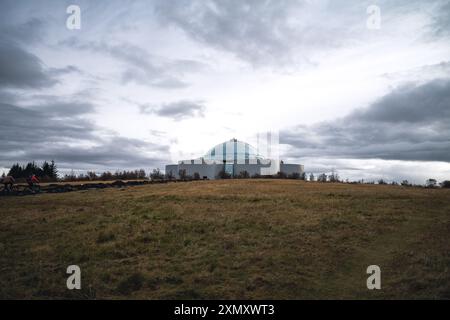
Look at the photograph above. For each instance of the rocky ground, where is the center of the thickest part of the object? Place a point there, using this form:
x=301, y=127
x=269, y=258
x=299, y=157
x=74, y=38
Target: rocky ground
x=23, y=190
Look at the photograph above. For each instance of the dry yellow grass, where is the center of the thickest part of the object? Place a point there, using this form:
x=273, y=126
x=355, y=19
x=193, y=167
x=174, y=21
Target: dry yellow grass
x=275, y=239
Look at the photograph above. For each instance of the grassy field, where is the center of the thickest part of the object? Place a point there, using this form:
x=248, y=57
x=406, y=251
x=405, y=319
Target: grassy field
x=245, y=239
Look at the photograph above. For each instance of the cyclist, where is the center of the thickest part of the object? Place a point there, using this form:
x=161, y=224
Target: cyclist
x=8, y=182
x=32, y=182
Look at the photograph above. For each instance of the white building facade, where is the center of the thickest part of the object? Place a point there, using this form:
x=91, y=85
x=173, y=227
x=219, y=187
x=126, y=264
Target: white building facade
x=233, y=159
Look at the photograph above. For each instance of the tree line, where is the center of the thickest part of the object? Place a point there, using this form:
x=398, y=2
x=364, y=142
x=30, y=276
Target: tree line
x=47, y=171
x=106, y=175
x=334, y=177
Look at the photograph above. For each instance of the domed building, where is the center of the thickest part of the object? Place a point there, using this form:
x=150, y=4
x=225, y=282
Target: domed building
x=232, y=158
x=232, y=151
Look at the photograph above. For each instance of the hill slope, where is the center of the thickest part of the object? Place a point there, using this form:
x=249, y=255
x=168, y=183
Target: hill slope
x=279, y=239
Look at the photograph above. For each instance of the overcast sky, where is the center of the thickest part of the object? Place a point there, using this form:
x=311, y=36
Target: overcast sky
x=146, y=83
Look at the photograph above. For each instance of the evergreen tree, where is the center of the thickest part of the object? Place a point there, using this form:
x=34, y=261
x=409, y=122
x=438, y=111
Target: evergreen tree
x=53, y=170
x=16, y=171
x=46, y=170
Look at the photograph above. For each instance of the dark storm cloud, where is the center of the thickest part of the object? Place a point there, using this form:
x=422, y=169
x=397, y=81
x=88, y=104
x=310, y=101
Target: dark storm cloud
x=23, y=127
x=19, y=66
x=112, y=153
x=280, y=32
x=27, y=32
x=410, y=123
x=424, y=73
x=73, y=142
x=21, y=69
x=264, y=31
x=7, y=96
x=440, y=25
x=141, y=67
x=411, y=104
x=144, y=77
x=64, y=109
x=65, y=70
x=251, y=30
x=178, y=110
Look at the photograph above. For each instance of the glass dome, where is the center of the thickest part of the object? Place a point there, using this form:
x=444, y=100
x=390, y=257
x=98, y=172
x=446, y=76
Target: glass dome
x=232, y=151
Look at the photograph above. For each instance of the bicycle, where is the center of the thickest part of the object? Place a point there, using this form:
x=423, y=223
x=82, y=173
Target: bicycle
x=12, y=188
x=35, y=188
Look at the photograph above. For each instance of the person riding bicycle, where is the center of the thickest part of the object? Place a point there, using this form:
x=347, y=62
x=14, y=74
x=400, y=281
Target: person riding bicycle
x=8, y=182
x=32, y=181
